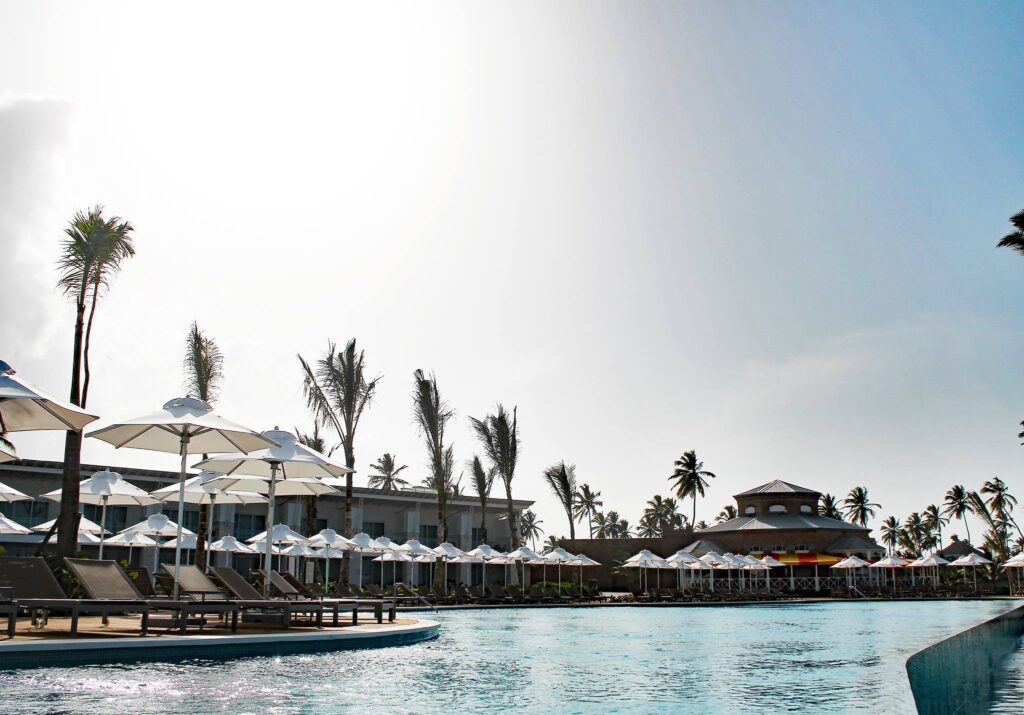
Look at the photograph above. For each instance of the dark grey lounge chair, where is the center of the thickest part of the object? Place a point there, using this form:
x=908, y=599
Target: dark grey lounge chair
x=33, y=586
x=248, y=597
x=106, y=580
x=284, y=587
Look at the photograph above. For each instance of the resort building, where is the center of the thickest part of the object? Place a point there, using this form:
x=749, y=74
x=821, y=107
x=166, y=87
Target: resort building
x=399, y=515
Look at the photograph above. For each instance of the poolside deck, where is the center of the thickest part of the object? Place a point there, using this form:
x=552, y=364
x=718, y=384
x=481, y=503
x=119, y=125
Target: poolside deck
x=120, y=641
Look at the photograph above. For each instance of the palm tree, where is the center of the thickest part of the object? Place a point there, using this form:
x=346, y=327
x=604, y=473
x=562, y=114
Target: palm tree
x=91, y=255
x=690, y=478
x=386, y=477
x=432, y=415
x=996, y=537
x=728, y=512
x=587, y=503
x=602, y=526
x=700, y=525
x=828, y=507
x=204, y=370
x=338, y=393
x=934, y=521
x=649, y=528
x=499, y=436
x=1015, y=239
x=957, y=505
x=529, y=527
x=890, y=533
x=561, y=478
x=858, y=506
x=1000, y=501
x=622, y=529
x=550, y=544
x=483, y=480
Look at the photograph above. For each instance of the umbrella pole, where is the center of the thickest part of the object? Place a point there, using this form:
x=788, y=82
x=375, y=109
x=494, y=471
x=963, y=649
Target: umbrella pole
x=103, y=525
x=270, y=527
x=181, y=510
x=209, y=529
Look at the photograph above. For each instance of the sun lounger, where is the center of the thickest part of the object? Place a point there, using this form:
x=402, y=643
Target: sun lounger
x=248, y=597
x=33, y=586
x=106, y=580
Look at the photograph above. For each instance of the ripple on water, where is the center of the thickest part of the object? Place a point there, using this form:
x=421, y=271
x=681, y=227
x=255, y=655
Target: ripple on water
x=780, y=658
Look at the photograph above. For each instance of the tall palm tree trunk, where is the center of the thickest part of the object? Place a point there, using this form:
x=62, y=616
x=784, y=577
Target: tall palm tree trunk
x=512, y=523
x=67, y=521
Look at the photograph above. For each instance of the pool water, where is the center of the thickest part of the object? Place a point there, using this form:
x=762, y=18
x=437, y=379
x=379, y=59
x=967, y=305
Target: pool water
x=809, y=658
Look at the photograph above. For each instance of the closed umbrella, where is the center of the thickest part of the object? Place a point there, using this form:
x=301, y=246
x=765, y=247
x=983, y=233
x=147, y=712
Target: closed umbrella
x=107, y=488
x=184, y=425
x=289, y=460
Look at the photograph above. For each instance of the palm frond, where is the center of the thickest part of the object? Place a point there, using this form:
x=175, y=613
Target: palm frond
x=1014, y=240
x=204, y=365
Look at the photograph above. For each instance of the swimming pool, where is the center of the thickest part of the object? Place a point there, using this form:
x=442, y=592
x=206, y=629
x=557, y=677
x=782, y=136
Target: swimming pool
x=819, y=658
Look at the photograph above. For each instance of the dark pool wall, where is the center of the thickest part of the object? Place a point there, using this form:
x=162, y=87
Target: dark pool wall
x=957, y=676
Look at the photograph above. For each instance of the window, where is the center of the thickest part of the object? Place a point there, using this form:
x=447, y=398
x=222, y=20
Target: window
x=428, y=535
x=778, y=549
x=805, y=509
x=26, y=513
x=374, y=528
x=190, y=522
x=801, y=548
x=756, y=550
x=777, y=509
x=117, y=516
x=248, y=525
x=321, y=524
x=476, y=536
x=750, y=511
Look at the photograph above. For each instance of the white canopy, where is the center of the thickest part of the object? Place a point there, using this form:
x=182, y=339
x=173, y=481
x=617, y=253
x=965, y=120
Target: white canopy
x=9, y=494
x=971, y=559
x=231, y=544
x=414, y=547
x=773, y=562
x=130, y=539
x=448, y=551
x=298, y=550
x=198, y=490
x=330, y=552
x=363, y=542
x=889, y=562
x=425, y=558
x=8, y=526
x=280, y=534
x=84, y=526
x=7, y=455
x=23, y=407
x=393, y=556
x=583, y=560
x=647, y=564
x=330, y=538
x=156, y=525
x=643, y=555
x=107, y=487
x=523, y=553
x=387, y=543
x=930, y=560
x=290, y=459
x=188, y=543
x=559, y=555
x=712, y=558
x=851, y=562
x=290, y=487
x=681, y=557
x=1015, y=561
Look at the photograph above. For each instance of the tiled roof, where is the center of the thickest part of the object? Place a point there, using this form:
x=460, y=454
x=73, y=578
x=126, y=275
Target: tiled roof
x=781, y=521
x=778, y=487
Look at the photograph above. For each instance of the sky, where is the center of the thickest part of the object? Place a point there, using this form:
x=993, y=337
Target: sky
x=763, y=231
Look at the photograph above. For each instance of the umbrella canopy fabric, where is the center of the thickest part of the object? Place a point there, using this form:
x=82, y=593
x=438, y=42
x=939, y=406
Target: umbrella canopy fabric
x=330, y=552
x=291, y=487
x=645, y=564
x=188, y=543
x=643, y=555
x=559, y=555
x=289, y=459
x=930, y=560
x=199, y=490
x=448, y=551
x=7, y=455
x=87, y=539
x=889, y=562
x=772, y=562
x=363, y=542
x=130, y=539
x=415, y=548
x=712, y=558
x=330, y=538
x=157, y=525
x=1015, y=561
x=393, y=556
x=8, y=526
x=583, y=560
x=23, y=406
x=280, y=534
x=85, y=526
x=298, y=550
x=681, y=557
x=851, y=562
x=485, y=552
x=387, y=543
x=523, y=553
x=9, y=494
x=971, y=559
x=107, y=487
x=425, y=558
x=232, y=545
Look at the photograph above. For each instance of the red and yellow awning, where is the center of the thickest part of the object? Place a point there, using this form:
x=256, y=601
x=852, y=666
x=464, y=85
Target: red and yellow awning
x=807, y=559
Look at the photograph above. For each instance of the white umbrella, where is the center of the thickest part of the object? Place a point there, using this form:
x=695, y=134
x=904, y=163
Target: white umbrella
x=280, y=534
x=447, y=552
x=289, y=460
x=130, y=540
x=331, y=538
x=394, y=557
x=523, y=553
x=9, y=494
x=486, y=553
x=414, y=548
x=85, y=526
x=24, y=407
x=107, y=488
x=890, y=562
x=159, y=525
x=188, y=543
x=974, y=561
x=8, y=455
x=198, y=490
x=1015, y=562
x=8, y=526
x=87, y=539
x=185, y=425
x=363, y=543
x=231, y=545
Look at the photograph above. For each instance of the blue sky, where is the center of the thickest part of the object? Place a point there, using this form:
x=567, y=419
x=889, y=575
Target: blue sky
x=762, y=231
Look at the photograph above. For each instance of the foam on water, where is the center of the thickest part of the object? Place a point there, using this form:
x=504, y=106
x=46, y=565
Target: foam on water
x=816, y=658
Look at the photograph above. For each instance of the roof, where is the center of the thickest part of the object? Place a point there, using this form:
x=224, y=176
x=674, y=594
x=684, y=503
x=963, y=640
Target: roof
x=958, y=548
x=778, y=487
x=853, y=542
x=767, y=522
x=703, y=546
